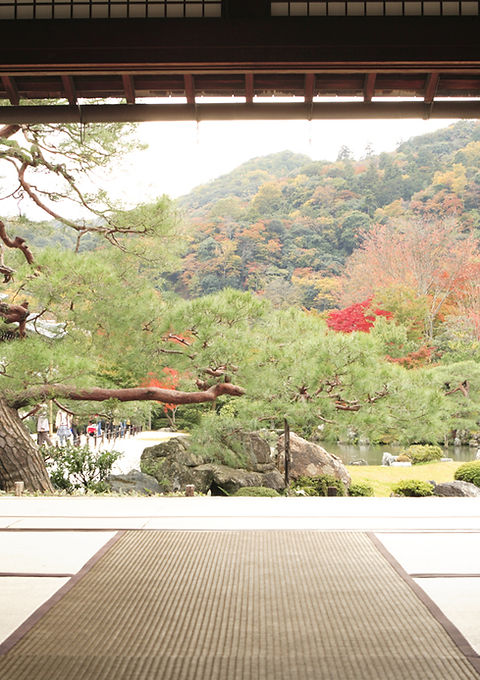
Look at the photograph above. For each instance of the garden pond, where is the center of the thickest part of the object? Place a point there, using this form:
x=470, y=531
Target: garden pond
x=372, y=454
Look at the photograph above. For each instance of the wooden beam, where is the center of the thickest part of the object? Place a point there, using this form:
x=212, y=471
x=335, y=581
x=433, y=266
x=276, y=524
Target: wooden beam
x=245, y=83
x=249, y=88
x=69, y=87
x=11, y=89
x=369, y=87
x=189, y=88
x=97, y=113
x=129, y=88
x=309, y=87
x=304, y=44
x=431, y=85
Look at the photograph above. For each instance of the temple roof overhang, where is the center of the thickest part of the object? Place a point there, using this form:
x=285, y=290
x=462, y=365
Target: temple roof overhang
x=225, y=67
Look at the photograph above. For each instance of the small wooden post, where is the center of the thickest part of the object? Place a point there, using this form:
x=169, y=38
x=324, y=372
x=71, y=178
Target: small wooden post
x=19, y=488
x=286, y=432
x=50, y=417
x=190, y=490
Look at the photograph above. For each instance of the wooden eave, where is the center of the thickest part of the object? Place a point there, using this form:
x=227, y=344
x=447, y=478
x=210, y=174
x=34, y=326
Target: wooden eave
x=428, y=58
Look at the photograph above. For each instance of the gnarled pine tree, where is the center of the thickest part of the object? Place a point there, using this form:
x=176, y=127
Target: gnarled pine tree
x=98, y=309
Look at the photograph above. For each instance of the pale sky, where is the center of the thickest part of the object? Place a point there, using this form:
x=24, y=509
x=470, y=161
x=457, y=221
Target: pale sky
x=184, y=155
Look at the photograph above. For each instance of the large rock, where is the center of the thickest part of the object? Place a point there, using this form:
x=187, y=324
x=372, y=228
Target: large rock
x=227, y=480
x=456, y=488
x=174, y=465
x=310, y=460
x=388, y=458
x=254, y=448
x=173, y=476
x=134, y=482
x=274, y=480
x=176, y=448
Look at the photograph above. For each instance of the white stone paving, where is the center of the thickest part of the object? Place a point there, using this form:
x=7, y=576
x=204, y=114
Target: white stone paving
x=76, y=523
x=39, y=552
x=20, y=597
x=411, y=513
x=435, y=553
x=459, y=599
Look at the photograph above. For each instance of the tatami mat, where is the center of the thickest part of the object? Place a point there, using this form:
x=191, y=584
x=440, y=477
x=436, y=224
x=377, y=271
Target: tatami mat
x=249, y=605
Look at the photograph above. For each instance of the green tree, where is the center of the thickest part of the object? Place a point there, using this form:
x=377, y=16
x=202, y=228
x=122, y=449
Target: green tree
x=82, y=312
x=291, y=365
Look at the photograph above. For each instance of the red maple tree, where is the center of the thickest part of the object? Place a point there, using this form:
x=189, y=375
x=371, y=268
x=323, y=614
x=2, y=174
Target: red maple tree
x=357, y=317
x=170, y=382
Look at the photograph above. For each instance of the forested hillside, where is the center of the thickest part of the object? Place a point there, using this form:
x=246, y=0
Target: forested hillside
x=284, y=225
x=342, y=295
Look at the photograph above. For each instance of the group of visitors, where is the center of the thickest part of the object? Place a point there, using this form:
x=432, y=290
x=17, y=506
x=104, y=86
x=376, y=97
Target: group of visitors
x=68, y=430
x=111, y=429
x=65, y=426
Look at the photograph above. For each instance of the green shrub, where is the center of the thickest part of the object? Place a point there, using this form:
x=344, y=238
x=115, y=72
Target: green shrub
x=256, y=491
x=214, y=440
x=79, y=467
x=318, y=486
x=469, y=472
x=413, y=487
x=423, y=453
x=360, y=489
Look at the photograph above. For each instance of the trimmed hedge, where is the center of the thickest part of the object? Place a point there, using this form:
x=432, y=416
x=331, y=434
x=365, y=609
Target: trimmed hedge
x=360, y=489
x=469, y=472
x=413, y=487
x=423, y=453
x=318, y=486
x=256, y=491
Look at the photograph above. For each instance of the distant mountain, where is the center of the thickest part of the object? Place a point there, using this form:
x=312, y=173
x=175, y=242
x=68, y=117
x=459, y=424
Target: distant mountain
x=283, y=225
x=443, y=142
x=245, y=180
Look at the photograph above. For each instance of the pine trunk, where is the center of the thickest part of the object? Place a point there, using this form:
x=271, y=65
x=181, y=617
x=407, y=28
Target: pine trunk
x=20, y=459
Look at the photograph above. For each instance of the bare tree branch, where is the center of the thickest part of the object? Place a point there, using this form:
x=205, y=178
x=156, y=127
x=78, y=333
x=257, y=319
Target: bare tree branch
x=28, y=189
x=32, y=412
x=17, y=242
x=464, y=388
x=63, y=408
x=8, y=130
x=166, y=396
x=15, y=313
x=326, y=420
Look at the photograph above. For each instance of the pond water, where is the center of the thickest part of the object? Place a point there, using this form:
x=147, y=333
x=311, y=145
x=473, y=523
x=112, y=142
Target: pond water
x=373, y=453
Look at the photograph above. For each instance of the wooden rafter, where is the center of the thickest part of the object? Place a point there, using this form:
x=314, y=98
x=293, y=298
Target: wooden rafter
x=309, y=87
x=118, y=83
x=69, y=87
x=369, y=87
x=249, y=88
x=189, y=88
x=431, y=86
x=129, y=88
x=11, y=89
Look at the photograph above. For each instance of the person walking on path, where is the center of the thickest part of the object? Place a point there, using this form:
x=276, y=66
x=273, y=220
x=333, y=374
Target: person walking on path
x=43, y=427
x=63, y=423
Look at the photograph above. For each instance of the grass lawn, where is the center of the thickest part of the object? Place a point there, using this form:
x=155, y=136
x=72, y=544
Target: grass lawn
x=382, y=477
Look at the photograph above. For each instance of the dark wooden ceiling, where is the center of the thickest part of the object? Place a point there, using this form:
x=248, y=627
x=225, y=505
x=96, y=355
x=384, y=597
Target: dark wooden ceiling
x=245, y=53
